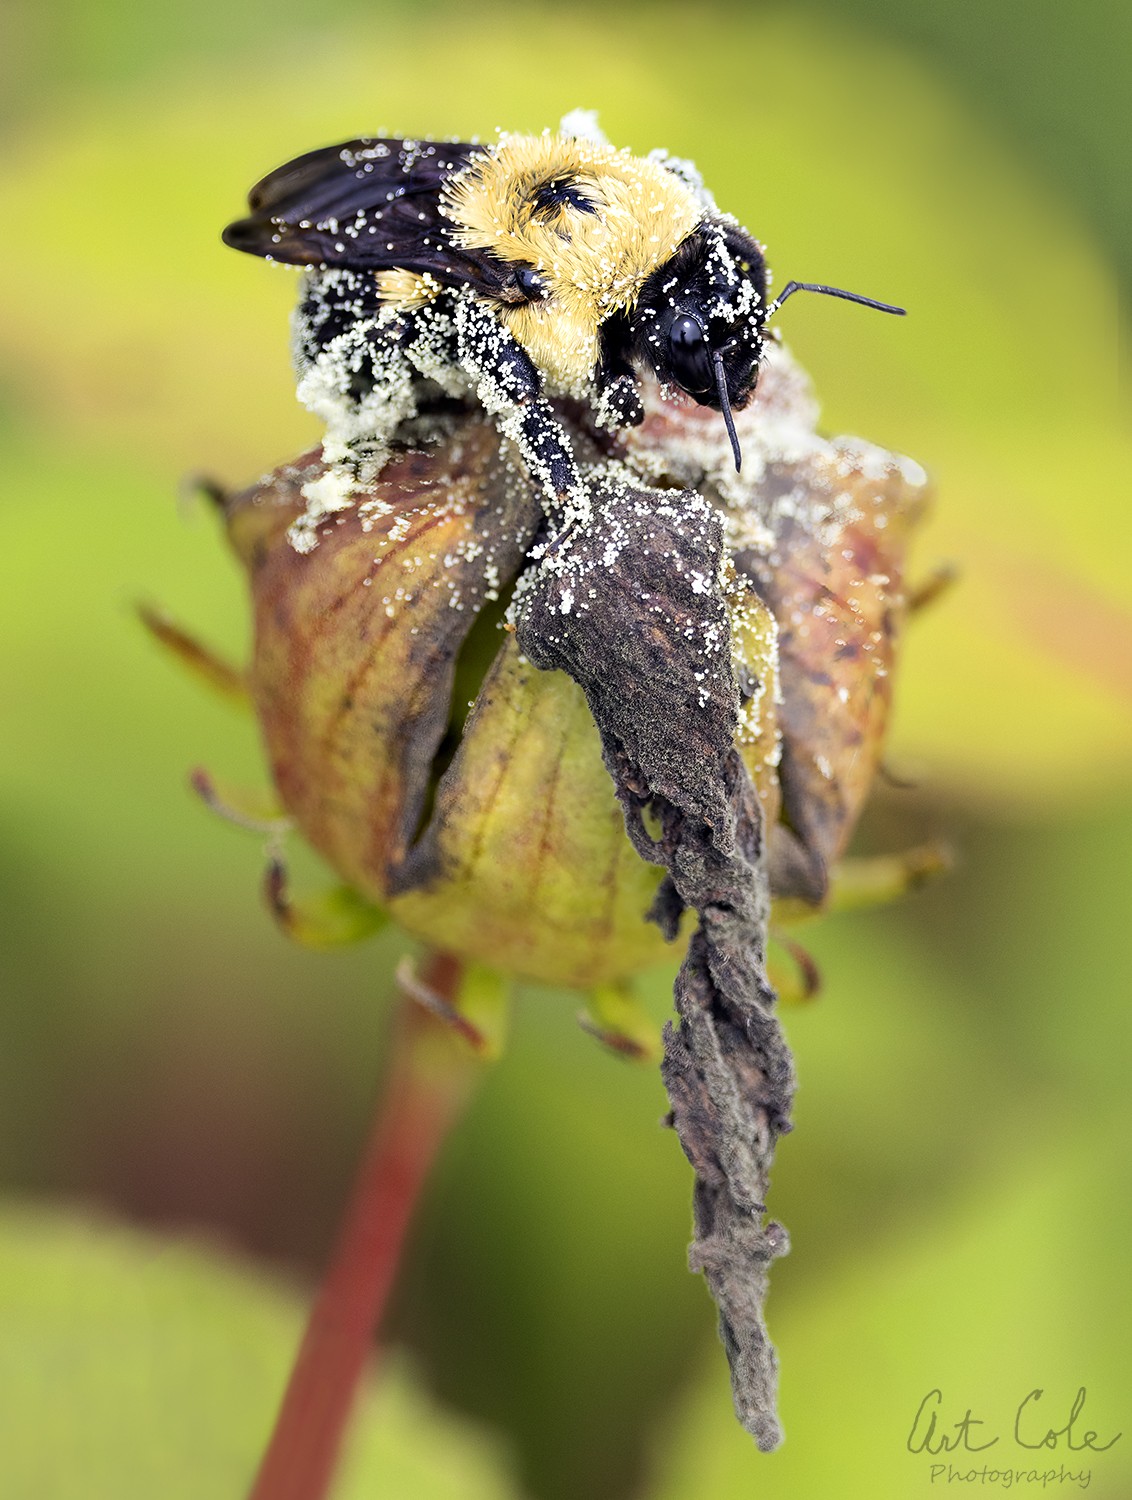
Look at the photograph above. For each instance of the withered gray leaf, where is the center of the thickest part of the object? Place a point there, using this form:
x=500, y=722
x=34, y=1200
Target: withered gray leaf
x=631, y=606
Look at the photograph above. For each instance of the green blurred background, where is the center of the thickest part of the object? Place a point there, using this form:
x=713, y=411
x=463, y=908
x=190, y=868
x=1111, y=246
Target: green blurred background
x=182, y=1095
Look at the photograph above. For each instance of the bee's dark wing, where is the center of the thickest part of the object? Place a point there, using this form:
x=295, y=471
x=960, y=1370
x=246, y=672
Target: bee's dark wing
x=367, y=205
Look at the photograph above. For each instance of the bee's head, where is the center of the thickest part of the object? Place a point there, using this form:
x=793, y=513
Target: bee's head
x=699, y=318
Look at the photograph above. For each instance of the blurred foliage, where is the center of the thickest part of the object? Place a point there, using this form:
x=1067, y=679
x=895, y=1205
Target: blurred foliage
x=158, y=341
x=982, y=1247
x=1054, y=83
x=956, y=1189
x=166, y=1363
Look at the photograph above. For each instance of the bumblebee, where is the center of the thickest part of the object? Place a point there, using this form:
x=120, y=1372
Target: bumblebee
x=535, y=267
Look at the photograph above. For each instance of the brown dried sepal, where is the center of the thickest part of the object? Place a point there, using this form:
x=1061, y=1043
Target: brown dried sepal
x=356, y=643
x=834, y=582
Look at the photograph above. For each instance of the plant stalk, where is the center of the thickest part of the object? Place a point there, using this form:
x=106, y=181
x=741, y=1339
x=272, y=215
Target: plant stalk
x=430, y=1077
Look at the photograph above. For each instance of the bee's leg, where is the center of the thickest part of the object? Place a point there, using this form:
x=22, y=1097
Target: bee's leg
x=618, y=396
x=619, y=401
x=535, y=430
x=510, y=388
x=361, y=386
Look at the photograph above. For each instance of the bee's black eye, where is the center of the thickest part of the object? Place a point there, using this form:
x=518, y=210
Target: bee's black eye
x=689, y=355
x=530, y=284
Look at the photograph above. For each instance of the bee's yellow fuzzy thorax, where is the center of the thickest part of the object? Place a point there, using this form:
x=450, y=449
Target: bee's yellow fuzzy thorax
x=642, y=212
x=591, y=263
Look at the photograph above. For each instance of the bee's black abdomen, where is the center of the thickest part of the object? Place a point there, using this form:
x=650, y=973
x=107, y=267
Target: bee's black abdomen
x=330, y=307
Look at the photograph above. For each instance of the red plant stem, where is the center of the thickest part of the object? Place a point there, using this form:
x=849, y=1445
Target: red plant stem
x=429, y=1079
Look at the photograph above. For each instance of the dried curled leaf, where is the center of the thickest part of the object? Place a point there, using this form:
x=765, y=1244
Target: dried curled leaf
x=632, y=606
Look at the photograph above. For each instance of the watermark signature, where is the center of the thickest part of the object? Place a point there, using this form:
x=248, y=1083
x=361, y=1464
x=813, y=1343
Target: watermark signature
x=1034, y=1428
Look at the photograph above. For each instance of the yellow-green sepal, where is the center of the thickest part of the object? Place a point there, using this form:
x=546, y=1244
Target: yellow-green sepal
x=200, y=661
x=616, y=1017
x=333, y=918
x=864, y=881
x=483, y=999
x=471, y=1000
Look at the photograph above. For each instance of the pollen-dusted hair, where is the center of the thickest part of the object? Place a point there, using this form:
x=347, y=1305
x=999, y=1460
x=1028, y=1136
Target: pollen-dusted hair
x=594, y=223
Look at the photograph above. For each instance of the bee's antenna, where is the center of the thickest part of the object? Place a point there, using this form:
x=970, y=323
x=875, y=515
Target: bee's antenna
x=830, y=291
x=725, y=404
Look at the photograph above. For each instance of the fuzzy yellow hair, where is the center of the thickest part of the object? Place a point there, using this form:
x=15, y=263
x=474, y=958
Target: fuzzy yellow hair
x=407, y=289
x=592, y=264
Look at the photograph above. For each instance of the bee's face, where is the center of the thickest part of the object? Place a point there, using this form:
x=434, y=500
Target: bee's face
x=699, y=317
x=688, y=349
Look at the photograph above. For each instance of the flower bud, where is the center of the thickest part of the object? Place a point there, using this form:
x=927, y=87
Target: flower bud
x=449, y=780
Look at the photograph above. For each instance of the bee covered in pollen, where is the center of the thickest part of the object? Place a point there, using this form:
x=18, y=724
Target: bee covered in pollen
x=540, y=266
